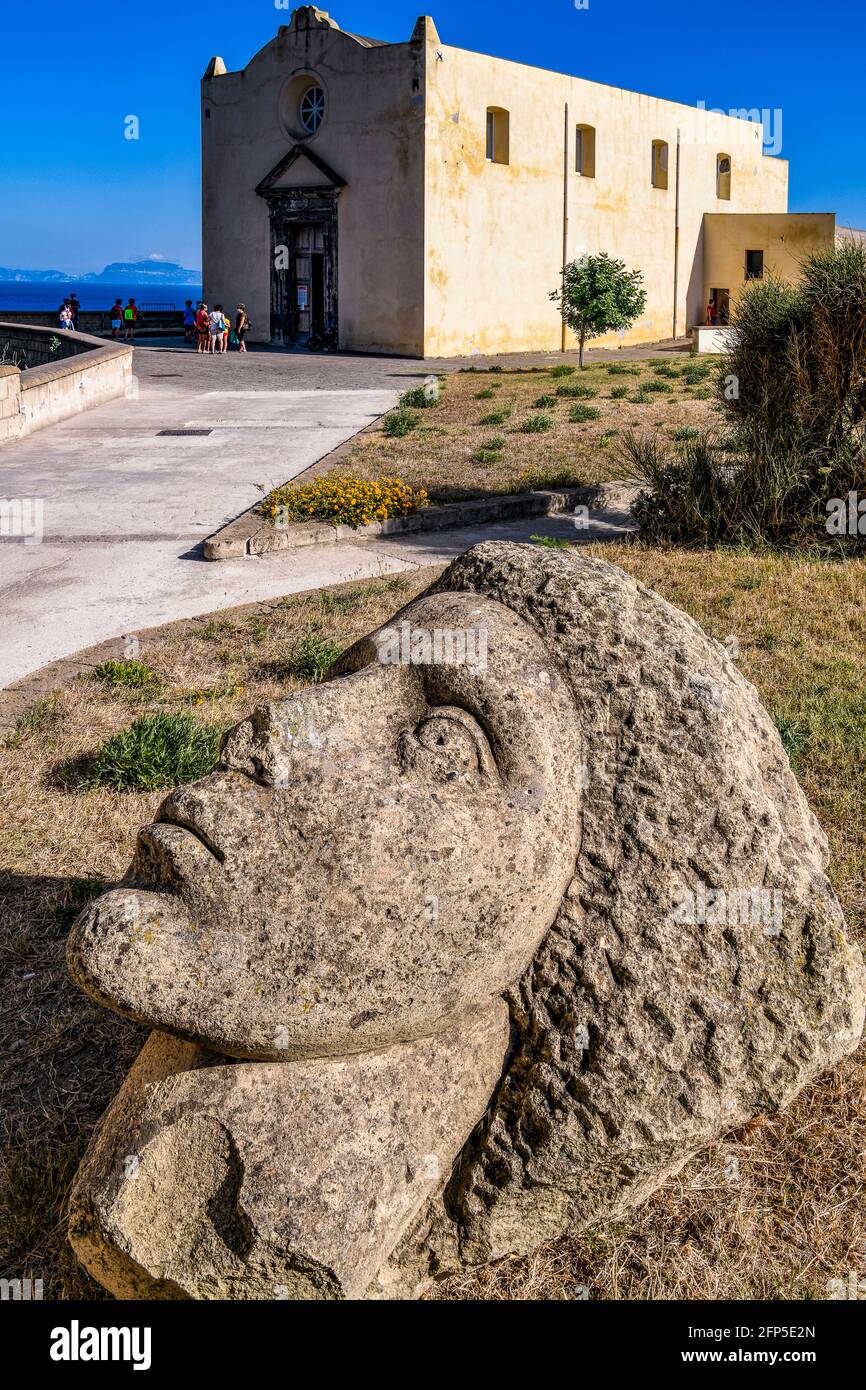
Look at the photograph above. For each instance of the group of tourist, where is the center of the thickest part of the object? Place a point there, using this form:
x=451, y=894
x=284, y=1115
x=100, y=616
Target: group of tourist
x=211, y=329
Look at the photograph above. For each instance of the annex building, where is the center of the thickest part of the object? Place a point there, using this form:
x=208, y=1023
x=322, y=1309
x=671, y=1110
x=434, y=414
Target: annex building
x=421, y=199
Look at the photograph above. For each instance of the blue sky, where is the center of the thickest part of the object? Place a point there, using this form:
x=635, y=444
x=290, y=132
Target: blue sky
x=76, y=194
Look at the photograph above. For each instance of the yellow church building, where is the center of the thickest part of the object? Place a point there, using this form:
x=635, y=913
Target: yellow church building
x=420, y=199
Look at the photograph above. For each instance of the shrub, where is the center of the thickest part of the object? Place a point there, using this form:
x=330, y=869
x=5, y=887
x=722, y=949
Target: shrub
x=580, y=412
x=545, y=402
x=156, y=751
x=665, y=369
x=495, y=417
x=420, y=397
x=485, y=395
x=653, y=385
x=640, y=397
x=346, y=501
x=619, y=393
x=618, y=369
x=399, y=422
x=698, y=495
x=696, y=373
x=686, y=432
x=577, y=389
x=562, y=371
x=536, y=424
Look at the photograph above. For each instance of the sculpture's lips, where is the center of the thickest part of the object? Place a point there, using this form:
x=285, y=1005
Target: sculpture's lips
x=170, y=852
x=169, y=817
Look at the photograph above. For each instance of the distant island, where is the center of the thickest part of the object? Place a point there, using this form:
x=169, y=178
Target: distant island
x=149, y=272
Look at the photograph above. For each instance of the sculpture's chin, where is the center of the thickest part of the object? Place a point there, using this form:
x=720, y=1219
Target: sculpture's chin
x=123, y=948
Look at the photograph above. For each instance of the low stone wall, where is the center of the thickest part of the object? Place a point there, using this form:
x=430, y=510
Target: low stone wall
x=94, y=320
x=80, y=373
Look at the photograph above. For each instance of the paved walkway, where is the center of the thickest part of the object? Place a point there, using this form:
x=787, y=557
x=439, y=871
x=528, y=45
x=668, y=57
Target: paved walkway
x=126, y=507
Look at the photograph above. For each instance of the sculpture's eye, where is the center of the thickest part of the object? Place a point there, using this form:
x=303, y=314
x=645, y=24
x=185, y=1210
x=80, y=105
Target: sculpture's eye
x=448, y=745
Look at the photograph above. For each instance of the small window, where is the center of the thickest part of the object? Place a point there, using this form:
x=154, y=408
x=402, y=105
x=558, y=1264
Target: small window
x=312, y=109
x=497, y=135
x=584, y=151
x=754, y=265
x=723, y=176
x=660, y=164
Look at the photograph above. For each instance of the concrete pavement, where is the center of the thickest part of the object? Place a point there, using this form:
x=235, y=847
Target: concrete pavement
x=125, y=506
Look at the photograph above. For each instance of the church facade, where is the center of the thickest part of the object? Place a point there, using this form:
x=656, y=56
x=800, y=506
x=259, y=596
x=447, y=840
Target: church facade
x=420, y=199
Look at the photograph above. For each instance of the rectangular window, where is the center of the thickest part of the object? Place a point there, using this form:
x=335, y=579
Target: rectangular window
x=659, y=164
x=754, y=265
x=578, y=150
x=497, y=135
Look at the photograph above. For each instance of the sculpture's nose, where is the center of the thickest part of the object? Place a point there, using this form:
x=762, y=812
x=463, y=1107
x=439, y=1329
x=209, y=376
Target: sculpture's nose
x=282, y=741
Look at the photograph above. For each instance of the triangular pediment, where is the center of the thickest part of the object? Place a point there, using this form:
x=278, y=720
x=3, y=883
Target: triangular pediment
x=300, y=168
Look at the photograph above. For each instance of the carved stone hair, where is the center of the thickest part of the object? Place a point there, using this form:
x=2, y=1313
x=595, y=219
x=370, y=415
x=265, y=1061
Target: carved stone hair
x=697, y=972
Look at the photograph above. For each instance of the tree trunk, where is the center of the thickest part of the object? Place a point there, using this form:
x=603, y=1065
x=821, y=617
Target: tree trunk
x=582, y=341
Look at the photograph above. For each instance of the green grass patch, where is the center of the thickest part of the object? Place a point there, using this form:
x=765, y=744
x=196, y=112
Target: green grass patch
x=156, y=751
x=580, y=413
x=551, y=542
x=310, y=657
x=536, y=424
x=134, y=677
x=576, y=390
x=399, y=422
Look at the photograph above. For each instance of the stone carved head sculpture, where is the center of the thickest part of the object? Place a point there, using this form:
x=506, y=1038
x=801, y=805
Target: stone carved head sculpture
x=471, y=945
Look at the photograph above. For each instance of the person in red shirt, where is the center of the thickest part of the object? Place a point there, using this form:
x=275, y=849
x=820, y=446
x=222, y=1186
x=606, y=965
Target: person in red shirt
x=130, y=318
x=202, y=328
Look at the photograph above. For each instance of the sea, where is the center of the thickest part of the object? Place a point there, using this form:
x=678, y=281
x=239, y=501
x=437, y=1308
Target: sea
x=42, y=297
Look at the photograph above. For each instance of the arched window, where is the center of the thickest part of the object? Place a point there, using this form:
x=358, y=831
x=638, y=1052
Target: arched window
x=312, y=109
x=497, y=135
x=660, y=164
x=723, y=176
x=584, y=151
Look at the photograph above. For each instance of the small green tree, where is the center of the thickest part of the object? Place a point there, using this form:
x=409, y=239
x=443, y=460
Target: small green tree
x=598, y=295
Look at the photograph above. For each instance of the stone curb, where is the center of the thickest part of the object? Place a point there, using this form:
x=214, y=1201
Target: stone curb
x=251, y=535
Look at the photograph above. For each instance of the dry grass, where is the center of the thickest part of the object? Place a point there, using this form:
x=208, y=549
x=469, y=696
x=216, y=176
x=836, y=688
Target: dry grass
x=447, y=452
x=775, y=1210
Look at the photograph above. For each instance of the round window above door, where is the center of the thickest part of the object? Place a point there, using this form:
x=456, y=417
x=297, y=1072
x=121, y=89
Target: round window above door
x=312, y=109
